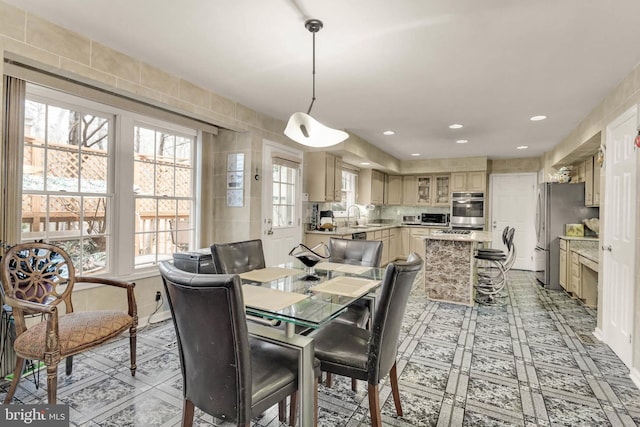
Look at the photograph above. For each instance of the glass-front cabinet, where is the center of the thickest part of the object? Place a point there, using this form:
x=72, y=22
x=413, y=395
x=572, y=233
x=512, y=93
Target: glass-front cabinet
x=424, y=190
x=442, y=192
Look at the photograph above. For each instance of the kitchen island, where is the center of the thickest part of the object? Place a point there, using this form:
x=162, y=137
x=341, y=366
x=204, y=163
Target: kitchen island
x=450, y=265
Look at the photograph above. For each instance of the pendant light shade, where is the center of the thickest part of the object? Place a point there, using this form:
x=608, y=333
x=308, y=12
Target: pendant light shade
x=304, y=129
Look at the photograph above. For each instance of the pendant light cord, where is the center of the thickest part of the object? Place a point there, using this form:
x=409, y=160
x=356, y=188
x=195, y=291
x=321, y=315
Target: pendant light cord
x=313, y=95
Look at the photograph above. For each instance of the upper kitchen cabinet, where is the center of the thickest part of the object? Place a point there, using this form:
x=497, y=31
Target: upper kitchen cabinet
x=433, y=190
x=442, y=192
x=371, y=187
x=323, y=176
x=393, y=190
x=591, y=182
x=469, y=181
x=410, y=190
x=424, y=190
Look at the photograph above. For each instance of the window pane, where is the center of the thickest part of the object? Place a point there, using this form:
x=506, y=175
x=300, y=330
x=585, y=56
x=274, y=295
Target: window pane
x=34, y=121
x=143, y=178
x=32, y=168
x=64, y=216
x=95, y=215
x=144, y=144
x=60, y=125
x=34, y=215
x=183, y=182
x=62, y=171
x=95, y=132
x=94, y=173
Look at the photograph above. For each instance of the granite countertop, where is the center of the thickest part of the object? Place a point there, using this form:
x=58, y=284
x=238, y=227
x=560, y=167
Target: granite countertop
x=339, y=231
x=474, y=236
x=587, y=239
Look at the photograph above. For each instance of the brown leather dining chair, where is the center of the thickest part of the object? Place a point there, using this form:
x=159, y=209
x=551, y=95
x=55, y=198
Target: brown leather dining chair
x=226, y=373
x=365, y=355
x=36, y=279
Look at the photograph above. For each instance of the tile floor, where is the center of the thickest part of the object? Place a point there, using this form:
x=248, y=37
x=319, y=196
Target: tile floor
x=520, y=364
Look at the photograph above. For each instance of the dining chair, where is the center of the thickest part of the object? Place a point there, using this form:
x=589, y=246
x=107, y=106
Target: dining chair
x=238, y=257
x=226, y=373
x=370, y=355
x=366, y=253
x=36, y=279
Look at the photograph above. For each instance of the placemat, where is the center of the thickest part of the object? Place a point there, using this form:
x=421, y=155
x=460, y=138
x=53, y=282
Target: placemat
x=268, y=298
x=344, y=268
x=347, y=286
x=268, y=274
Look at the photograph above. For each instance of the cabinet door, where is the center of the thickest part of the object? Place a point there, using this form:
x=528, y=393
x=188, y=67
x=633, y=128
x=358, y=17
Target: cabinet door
x=394, y=190
x=563, y=269
x=377, y=187
x=574, y=281
x=405, y=244
x=385, y=251
x=424, y=190
x=442, y=193
x=458, y=181
x=596, y=183
x=330, y=178
x=409, y=190
x=588, y=181
x=477, y=181
x=337, y=180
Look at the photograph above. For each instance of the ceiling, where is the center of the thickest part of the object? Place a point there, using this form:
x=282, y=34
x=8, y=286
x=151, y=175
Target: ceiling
x=411, y=66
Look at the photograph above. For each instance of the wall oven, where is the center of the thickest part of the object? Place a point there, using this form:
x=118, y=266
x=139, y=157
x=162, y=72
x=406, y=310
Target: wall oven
x=467, y=210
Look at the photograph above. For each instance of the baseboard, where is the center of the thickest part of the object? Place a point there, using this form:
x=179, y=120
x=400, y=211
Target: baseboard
x=598, y=334
x=635, y=377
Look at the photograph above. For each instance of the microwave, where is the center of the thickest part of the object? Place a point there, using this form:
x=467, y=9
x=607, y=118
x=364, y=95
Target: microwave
x=434, y=219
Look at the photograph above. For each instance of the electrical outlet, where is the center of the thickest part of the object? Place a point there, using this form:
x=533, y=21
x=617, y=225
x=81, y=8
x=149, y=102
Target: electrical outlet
x=158, y=296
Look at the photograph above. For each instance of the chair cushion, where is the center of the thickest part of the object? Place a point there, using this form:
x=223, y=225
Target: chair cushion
x=357, y=315
x=342, y=349
x=77, y=331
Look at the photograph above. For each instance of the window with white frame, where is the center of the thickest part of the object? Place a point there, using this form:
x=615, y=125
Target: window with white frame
x=284, y=178
x=81, y=171
x=349, y=187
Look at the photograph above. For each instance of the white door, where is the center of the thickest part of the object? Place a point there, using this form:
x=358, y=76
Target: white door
x=513, y=204
x=619, y=235
x=281, y=202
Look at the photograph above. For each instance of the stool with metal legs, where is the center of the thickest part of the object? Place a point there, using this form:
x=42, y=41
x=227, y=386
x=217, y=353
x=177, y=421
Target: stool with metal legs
x=493, y=267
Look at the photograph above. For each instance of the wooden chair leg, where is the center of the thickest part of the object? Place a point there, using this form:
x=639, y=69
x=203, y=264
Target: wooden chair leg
x=293, y=408
x=187, y=413
x=393, y=377
x=69, y=365
x=354, y=384
x=132, y=349
x=52, y=383
x=328, y=381
x=374, y=406
x=17, y=373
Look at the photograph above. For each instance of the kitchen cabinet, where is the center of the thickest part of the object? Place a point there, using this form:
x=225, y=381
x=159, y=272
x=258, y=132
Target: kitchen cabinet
x=563, y=264
x=393, y=190
x=381, y=236
x=424, y=190
x=370, y=187
x=410, y=190
x=323, y=176
x=469, y=181
x=579, y=268
x=433, y=190
x=395, y=244
x=405, y=242
x=312, y=239
x=591, y=182
x=575, y=287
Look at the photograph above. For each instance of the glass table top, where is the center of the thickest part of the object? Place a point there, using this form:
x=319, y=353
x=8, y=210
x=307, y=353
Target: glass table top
x=319, y=307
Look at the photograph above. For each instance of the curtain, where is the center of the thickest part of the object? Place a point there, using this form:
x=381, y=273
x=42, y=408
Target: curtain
x=14, y=90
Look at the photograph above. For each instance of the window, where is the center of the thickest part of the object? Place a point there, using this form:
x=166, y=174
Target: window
x=284, y=186
x=163, y=171
x=81, y=171
x=65, y=192
x=349, y=187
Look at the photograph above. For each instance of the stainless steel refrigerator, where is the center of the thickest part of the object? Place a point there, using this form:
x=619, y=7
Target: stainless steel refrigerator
x=557, y=204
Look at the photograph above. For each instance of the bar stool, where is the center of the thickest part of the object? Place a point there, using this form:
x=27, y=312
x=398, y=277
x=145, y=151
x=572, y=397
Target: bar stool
x=492, y=273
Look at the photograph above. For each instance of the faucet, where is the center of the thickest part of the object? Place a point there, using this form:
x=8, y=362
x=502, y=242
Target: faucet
x=358, y=214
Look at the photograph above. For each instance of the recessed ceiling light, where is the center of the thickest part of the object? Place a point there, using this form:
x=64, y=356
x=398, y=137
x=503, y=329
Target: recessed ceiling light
x=415, y=154
x=365, y=163
x=537, y=118
x=455, y=126
x=522, y=147
x=462, y=141
x=388, y=132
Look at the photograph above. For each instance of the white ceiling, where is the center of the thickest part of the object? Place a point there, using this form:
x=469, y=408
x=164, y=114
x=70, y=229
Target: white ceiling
x=413, y=66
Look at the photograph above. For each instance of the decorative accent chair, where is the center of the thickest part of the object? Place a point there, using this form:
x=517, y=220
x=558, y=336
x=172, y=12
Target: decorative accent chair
x=36, y=279
x=226, y=373
x=358, y=353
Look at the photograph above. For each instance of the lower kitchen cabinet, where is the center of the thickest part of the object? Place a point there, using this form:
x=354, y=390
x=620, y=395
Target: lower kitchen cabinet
x=395, y=244
x=578, y=270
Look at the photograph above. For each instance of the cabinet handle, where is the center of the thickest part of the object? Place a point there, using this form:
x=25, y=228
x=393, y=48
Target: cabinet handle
x=606, y=248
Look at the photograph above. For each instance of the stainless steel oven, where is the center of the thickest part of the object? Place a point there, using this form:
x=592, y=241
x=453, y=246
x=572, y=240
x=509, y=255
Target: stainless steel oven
x=467, y=210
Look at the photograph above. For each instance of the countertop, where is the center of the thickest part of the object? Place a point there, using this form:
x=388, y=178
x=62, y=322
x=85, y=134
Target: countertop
x=589, y=253
x=474, y=236
x=586, y=239
x=340, y=231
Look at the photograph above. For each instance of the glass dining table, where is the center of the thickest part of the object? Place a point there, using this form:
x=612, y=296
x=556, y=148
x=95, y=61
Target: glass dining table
x=286, y=294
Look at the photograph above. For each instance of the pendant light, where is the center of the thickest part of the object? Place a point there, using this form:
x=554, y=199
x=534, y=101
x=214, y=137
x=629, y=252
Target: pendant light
x=303, y=128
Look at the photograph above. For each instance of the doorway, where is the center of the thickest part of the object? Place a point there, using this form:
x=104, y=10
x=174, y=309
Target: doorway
x=619, y=238
x=512, y=204
x=281, y=201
